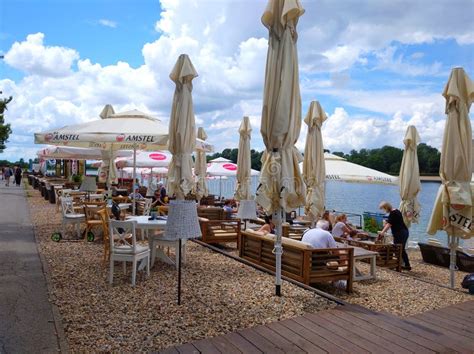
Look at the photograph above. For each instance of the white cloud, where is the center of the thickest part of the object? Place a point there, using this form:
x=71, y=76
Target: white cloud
x=107, y=23
x=227, y=44
x=34, y=58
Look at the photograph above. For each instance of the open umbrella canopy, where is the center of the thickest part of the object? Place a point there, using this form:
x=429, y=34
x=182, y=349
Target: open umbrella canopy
x=200, y=169
x=146, y=159
x=339, y=169
x=182, y=129
x=281, y=184
x=117, y=131
x=75, y=153
x=314, y=169
x=244, y=162
x=224, y=167
x=409, y=179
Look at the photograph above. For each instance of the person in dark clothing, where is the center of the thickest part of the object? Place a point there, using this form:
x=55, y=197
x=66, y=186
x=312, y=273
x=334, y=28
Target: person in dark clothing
x=399, y=230
x=18, y=175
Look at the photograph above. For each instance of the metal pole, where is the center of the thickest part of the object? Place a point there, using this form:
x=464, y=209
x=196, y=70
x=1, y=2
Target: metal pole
x=134, y=177
x=179, y=271
x=278, y=250
x=453, y=243
x=220, y=188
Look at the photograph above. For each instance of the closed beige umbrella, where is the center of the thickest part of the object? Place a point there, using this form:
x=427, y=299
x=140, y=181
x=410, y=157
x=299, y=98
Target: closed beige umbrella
x=314, y=170
x=200, y=167
x=281, y=186
x=244, y=163
x=452, y=211
x=182, y=129
x=409, y=178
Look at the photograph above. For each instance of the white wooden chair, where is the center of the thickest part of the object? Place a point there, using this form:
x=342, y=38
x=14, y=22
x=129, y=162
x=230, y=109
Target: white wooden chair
x=147, y=206
x=70, y=216
x=124, y=248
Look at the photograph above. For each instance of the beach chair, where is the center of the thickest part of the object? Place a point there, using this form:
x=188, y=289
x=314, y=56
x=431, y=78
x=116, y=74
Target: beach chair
x=69, y=217
x=124, y=248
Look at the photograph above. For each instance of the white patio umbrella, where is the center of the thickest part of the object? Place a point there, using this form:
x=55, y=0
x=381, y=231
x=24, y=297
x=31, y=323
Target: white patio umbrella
x=453, y=208
x=75, y=153
x=221, y=167
x=281, y=186
x=200, y=168
x=131, y=130
x=148, y=159
x=182, y=220
x=314, y=169
x=409, y=179
x=244, y=162
x=339, y=169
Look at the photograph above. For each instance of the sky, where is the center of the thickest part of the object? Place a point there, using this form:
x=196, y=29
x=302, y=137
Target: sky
x=375, y=66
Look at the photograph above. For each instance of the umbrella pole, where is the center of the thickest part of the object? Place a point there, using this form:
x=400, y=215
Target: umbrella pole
x=220, y=188
x=179, y=271
x=134, y=177
x=453, y=242
x=278, y=250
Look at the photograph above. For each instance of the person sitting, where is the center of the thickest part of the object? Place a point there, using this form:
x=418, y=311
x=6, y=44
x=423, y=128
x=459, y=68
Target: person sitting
x=319, y=237
x=136, y=195
x=161, y=199
x=229, y=209
x=327, y=216
x=268, y=227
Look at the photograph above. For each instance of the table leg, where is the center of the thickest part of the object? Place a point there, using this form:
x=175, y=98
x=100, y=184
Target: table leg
x=373, y=264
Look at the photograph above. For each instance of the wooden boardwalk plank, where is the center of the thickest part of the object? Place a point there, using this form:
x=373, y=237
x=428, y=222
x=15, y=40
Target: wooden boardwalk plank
x=260, y=342
x=384, y=331
x=285, y=345
x=456, y=314
x=224, y=346
x=329, y=335
x=368, y=330
x=448, y=323
x=295, y=338
x=312, y=337
x=206, y=346
x=386, y=323
x=343, y=332
x=451, y=333
x=241, y=343
x=170, y=350
x=435, y=335
x=187, y=349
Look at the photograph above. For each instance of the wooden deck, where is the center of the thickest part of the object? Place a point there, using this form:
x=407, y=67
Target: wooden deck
x=351, y=329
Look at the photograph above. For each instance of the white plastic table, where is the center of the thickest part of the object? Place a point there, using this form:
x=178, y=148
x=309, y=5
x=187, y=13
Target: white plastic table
x=143, y=223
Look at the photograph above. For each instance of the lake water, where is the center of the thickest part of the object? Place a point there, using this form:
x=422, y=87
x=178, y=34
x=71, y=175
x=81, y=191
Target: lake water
x=359, y=197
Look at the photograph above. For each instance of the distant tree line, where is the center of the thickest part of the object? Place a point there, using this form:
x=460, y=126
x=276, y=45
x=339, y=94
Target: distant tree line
x=386, y=159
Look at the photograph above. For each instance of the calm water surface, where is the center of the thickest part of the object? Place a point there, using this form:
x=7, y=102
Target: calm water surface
x=360, y=197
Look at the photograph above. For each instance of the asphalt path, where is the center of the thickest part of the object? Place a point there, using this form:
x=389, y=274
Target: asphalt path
x=26, y=316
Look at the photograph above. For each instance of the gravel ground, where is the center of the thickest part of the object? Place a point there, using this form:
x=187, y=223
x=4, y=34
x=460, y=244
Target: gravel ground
x=219, y=295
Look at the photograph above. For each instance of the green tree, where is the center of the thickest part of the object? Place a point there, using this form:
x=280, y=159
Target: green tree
x=5, y=129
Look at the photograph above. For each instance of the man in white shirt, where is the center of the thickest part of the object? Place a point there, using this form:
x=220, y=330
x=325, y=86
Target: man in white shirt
x=319, y=237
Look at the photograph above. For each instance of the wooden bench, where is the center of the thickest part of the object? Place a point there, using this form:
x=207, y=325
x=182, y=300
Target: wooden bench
x=294, y=232
x=212, y=213
x=389, y=256
x=300, y=261
x=220, y=231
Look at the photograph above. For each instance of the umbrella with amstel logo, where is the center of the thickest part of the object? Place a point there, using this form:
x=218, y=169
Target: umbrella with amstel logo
x=453, y=208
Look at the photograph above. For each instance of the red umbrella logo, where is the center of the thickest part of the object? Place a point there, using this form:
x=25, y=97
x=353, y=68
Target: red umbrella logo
x=48, y=137
x=120, y=138
x=157, y=156
x=230, y=166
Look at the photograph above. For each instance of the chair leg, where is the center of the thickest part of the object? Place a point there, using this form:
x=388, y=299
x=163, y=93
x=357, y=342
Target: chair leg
x=134, y=271
x=153, y=252
x=124, y=267
x=148, y=266
x=111, y=271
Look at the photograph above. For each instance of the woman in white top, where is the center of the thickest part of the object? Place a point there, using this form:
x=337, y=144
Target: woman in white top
x=340, y=229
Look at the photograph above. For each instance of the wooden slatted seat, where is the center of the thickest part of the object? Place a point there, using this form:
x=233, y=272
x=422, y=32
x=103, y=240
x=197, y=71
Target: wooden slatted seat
x=211, y=213
x=220, y=231
x=294, y=232
x=389, y=256
x=300, y=261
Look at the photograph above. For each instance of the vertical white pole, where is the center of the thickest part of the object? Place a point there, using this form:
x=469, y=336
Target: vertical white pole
x=278, y=250
x=220, y=188
x=453, y=243
x=134, y=176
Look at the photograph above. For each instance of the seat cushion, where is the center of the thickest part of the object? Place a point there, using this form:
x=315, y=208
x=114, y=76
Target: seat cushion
x=74, y=216
x=124, y=249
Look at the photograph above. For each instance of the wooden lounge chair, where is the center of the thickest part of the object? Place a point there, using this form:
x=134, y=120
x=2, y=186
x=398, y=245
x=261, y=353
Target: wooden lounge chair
x=300, y=261
x=439, y=255
x=211, y=213
x=220, y=231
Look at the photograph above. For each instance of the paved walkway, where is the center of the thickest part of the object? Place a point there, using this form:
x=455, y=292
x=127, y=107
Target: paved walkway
x=26, y=317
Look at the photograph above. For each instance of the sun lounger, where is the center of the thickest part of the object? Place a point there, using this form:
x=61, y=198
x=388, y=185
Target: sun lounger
x=300, y=261
x=439, y=255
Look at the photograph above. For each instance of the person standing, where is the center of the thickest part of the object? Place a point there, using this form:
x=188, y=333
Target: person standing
x=8, y=173
x=18, y=174
x=399, y=230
